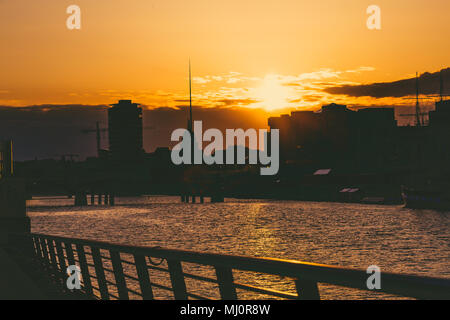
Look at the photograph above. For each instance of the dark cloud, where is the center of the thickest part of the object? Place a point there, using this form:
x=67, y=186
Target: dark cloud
x=48, y=131
x=428, y=84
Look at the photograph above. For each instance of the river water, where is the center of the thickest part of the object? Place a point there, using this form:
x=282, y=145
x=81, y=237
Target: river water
x=349, y=235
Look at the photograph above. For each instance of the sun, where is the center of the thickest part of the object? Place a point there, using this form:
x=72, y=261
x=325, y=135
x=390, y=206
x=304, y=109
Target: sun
x=272, y=93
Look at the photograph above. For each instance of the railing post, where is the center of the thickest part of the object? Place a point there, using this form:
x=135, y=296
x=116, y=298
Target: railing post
x=38, y=247
x=307, y=290
x=45, y=251
x=177, y=279
x=36, y=252
x=84, y=269
x=51, y=249
x=226, y=283
x=118, y=275
x=69, y=252
x=100, y=273
x=61, y=257
x=144, y=278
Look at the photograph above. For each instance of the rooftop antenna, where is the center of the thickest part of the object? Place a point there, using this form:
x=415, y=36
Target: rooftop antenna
x=418, y=122
x=190, y=126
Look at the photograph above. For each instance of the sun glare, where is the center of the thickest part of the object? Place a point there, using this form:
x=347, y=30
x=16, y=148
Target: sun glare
x=272, y=94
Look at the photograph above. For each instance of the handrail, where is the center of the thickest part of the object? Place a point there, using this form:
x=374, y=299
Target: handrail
x=58, y=252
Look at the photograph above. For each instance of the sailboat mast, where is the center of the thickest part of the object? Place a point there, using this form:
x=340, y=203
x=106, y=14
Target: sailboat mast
x=418, y=122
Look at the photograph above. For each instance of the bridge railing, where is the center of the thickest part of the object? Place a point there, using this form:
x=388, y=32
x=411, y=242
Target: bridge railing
x=107, y=269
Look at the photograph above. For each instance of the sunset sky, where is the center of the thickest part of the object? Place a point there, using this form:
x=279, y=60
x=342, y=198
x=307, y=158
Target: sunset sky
x=251, y=59
x=270, y=54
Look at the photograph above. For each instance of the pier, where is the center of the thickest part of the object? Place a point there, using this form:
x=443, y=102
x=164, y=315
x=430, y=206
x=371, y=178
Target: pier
x=81, y=199
x=201, y=198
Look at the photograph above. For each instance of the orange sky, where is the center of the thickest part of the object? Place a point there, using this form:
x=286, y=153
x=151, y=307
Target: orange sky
x=264, y=53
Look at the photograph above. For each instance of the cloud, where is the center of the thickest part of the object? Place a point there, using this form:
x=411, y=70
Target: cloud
x=227, y=78
x=361, y=69
x=238, y=102
x=49, y=131
x=428, y=85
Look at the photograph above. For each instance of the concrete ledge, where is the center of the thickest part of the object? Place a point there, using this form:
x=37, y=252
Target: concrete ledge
x=12, y=225
x=14, y=283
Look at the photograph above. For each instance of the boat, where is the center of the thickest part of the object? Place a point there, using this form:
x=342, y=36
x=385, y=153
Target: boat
x=426, y=198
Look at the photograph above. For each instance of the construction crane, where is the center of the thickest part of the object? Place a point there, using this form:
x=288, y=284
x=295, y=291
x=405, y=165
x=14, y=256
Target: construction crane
x=97, y=130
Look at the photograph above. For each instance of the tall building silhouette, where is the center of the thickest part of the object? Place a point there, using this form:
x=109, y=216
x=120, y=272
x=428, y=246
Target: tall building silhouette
x=336, y=137
x=125, y=130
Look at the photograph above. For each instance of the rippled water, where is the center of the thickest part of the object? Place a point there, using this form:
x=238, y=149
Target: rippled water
x=350, y=235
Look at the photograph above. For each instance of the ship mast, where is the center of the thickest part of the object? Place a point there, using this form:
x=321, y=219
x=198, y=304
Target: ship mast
x=418, y=122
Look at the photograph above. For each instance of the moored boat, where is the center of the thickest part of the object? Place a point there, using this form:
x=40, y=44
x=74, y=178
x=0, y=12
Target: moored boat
x=426, y=198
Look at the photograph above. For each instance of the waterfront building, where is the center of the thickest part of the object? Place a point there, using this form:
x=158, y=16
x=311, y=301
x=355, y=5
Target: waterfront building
x=337, y=137
x=125, y=130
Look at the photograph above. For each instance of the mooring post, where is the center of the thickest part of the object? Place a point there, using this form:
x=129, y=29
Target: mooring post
x=99, y=201
x=106, y=198
x=80, y=199
x=202, y=199
x=112, y=199
x=13, y=214
x=92, y=198
x=193, y=199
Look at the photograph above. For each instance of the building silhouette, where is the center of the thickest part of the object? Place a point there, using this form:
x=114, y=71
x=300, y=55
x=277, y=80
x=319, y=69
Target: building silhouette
x=336, y=137
x=125, y=130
